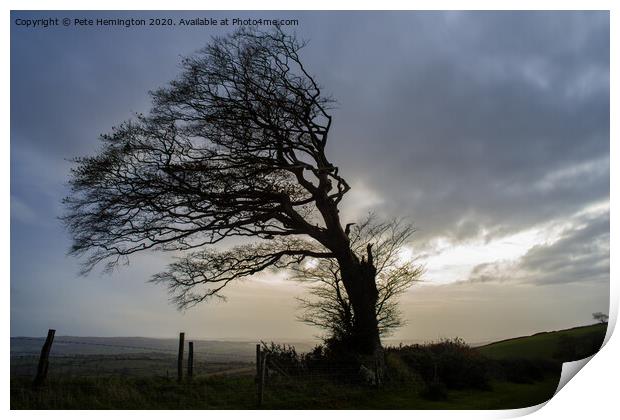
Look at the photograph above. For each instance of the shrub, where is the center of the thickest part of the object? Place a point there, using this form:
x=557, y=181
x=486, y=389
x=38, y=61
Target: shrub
x=451, y=362
x=324, y=360
x=284, y=358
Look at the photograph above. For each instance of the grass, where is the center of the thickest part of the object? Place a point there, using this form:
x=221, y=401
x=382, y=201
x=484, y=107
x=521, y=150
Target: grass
x=240, y=393
x=539, y=346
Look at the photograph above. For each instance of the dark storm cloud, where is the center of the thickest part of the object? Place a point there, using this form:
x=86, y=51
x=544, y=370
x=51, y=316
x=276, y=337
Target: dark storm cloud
x=581, y=254
x=460, y=118
x=451, y=117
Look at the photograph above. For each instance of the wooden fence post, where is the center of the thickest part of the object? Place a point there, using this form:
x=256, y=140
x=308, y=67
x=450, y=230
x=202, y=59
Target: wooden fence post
x=44, y=359
x=261, y=379
x=190, y=360
x=180, y=358
x=258, y=361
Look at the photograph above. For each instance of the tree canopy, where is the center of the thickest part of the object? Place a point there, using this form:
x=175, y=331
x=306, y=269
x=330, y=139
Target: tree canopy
x=234, y=147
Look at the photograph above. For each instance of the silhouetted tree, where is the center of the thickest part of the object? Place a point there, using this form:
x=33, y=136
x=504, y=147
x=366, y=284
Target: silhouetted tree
x=329, y=306
x=234, y=147
x=600, y=317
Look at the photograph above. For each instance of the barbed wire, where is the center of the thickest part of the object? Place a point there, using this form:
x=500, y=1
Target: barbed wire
x=85, y=343
x=197, y=352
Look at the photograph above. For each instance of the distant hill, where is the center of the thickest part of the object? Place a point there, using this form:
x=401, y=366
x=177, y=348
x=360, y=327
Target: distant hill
x=570, y=344
x=213, y=350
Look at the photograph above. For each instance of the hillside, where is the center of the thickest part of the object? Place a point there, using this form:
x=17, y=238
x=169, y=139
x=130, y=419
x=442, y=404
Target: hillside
x=564, y=345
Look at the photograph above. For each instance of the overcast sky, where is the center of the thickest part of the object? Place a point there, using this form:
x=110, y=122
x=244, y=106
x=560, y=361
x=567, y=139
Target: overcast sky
x=489, y=131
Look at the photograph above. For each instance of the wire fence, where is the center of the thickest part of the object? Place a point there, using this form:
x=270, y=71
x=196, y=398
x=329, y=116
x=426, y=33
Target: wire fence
x=88, y=358
x=87, y=343
x=270, y=376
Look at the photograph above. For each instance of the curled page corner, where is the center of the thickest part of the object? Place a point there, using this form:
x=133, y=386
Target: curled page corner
x=522, y=412
x=570, y=369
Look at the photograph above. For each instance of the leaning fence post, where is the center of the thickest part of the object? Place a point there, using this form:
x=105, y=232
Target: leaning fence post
x=261, y=378
x=180, y=358
x=44, y=358
x=190, y=360
x=258, y=360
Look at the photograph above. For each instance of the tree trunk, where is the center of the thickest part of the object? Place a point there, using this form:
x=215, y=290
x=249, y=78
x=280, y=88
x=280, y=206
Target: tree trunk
x=359, y=280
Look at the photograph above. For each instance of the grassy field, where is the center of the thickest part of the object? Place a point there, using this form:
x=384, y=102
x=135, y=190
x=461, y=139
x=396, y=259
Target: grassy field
x=541, y=345
x=240, y=393
x=237, y=390
x=125, y=365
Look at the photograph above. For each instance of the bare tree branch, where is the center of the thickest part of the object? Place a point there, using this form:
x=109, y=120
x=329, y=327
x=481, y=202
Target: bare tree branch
x=234, y=147
x=203, y=274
